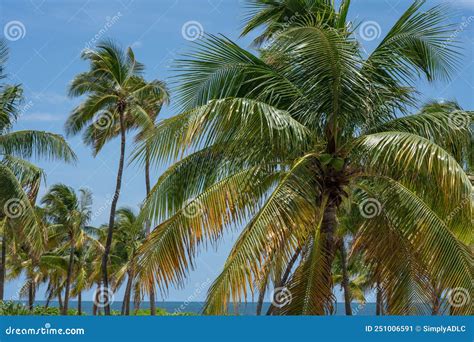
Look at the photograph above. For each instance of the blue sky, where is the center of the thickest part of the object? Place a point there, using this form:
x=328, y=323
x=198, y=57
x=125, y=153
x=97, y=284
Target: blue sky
x=44, y=58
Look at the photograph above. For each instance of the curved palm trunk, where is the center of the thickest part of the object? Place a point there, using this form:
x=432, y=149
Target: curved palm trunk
x=148, y=225
x=3, y=263
x=113, y=207
x=285, y=276
x=345, y=279
x=68, y=279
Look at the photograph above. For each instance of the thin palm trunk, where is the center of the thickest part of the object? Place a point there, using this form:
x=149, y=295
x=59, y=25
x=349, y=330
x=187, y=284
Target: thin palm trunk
x=60, y=301
x=127, y=296
x=79, y=303
x=31, y=294
x=94, y=305
x=261, y=297
x=345, y=279
x=3, y=263
x=113, y=207
x=148, y=225
x=68, y=278
x=285, y=276
x=379, y=299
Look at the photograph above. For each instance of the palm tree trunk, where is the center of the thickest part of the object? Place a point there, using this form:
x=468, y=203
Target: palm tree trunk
x=379, y=300
x=286, y=275
x=3, y=263
x=328, y=230
x=113, y=207
x=68, y=278
x=127, y=296
x=31, y=294
x=79, y=303
x=345, y=279
x=148, y=225
x=261, y=297
x=60, y=301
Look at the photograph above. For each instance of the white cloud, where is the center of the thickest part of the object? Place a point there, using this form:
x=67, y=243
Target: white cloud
x=41, y=117
x=50, y=97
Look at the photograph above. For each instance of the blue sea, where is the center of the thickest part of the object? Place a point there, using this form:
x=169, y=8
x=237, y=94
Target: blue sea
x=248, y=309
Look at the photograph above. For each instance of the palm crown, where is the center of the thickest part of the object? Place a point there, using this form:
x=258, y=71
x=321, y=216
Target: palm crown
x=288, y=142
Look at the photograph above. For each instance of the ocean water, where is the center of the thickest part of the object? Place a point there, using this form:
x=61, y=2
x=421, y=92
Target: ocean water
x=248, y=309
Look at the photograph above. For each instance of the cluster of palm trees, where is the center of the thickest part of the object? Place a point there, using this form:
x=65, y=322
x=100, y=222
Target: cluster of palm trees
x=313, y=149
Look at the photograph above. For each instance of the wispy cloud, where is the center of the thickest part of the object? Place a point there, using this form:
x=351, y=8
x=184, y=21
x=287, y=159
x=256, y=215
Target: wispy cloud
x=461, y=3
x=41, y=117
x=50, y=98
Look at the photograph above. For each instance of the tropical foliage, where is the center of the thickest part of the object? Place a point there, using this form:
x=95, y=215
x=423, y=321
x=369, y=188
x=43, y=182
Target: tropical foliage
x=307, y=138
x=318, y=153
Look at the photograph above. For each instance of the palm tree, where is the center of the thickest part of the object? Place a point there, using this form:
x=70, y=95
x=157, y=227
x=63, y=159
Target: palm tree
x=129, y=235
x=278, y=142
x=69, y=213
x=154, y=95
x=112, y=86
x=19, y=180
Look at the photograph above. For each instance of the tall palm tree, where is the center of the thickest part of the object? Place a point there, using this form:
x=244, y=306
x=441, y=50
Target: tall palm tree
x=69, y=213
x=112, y=85
x=151, y=100
x=278, y=142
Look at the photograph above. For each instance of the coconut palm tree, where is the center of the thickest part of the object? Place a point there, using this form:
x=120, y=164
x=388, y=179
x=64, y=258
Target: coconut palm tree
x=69, y=213
x=151, y=100
x=129, y=235
x=278, y=142
x=112, y=85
